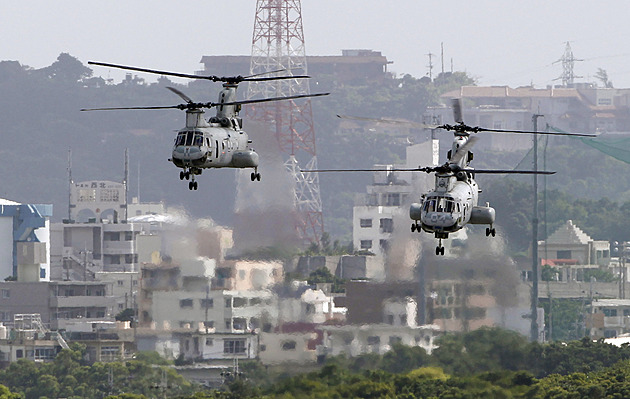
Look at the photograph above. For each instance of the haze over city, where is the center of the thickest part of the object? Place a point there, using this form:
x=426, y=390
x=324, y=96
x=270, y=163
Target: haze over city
x=496, y=42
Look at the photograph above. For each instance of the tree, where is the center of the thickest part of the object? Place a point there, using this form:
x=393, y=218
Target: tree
x=67, y=70
x=602, y=76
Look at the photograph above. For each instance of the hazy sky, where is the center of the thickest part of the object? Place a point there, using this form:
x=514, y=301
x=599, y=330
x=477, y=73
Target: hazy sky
x=496, y=41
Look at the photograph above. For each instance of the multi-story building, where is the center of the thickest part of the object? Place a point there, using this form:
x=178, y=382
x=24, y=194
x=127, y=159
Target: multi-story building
x=390, y=194
x=609, y=318
x=350, y=65
x=570, y=244
x=58, y=302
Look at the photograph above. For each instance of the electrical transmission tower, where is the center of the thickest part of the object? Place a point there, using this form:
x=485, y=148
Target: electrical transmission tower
x=568, y=60
x=278, y=44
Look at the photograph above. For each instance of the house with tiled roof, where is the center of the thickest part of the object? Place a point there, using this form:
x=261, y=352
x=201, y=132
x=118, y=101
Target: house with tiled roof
x=569, y=243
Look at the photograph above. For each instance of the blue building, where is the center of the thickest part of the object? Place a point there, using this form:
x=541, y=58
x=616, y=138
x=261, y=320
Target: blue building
x=25, y=241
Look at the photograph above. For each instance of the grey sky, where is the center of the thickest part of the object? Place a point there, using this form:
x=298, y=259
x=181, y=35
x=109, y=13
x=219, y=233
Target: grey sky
x=496, y=41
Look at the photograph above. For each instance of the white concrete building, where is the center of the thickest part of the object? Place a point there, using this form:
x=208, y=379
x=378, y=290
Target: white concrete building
x=389, y=195
x=609, y=318
x=353, y=340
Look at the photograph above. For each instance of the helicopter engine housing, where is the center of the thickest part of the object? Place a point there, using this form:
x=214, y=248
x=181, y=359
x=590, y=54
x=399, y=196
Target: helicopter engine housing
x=245, y=159
x=415, y=211
x=482, y=215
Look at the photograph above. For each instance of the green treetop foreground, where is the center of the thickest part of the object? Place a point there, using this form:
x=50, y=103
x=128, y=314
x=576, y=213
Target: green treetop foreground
x=486, y=363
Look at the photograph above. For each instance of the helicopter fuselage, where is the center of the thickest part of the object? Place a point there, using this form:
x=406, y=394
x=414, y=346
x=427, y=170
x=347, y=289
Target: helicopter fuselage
x=453, y=202
x=214, y=146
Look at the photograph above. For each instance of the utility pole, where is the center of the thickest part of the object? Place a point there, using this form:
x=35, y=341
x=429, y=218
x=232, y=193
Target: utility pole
x=534, y=300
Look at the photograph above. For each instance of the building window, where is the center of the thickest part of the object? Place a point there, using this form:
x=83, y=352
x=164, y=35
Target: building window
x=228, y=302
x=86, y=195
x=393, y=199
x=564, y=255
x=387, y=225
x=288, y=346
x=109, y=195
x=609, y=312
x=366, y=244
x=111, y=236
x=365, y=223
x=208, y=324
x=373, y=340
x=235, y=346
x=186, y=303
x=209, y=342
x=393, y=340
x=121, y=283
x=239, y=302
x=384, y=244
x=6, y=293
x=207, y=303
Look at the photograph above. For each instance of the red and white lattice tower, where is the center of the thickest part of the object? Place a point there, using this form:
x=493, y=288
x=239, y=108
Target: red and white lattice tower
x=278, y=44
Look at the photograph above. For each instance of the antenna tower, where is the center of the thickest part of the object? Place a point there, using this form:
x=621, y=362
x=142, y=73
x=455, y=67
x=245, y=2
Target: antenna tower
x=278, y=44
x=568, y=60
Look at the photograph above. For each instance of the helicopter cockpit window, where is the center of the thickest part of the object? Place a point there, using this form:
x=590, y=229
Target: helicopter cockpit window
x=198, y=139
x=181, y=139
x=189, y=138
x=439, y=205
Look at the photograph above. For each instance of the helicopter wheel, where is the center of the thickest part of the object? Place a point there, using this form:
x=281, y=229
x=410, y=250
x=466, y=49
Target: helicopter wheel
x=492, y=231
x=253, y=176
x=192, y=185
x=413, y=227
x=258, y=176
x=187, y=175
x=181, y=175
x=439, y=250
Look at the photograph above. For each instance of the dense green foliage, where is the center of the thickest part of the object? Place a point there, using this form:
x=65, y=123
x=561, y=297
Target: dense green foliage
x=68, y=377
x=488, y=363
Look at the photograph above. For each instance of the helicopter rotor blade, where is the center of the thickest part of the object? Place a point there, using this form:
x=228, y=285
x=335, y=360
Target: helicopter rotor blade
x=428, y=169
x=388, y=121
x=262, y=100
x=510, y=171
x=482, y=129
x=214, y=78
x=457, y=110
x=122, y=108
x=180, y=94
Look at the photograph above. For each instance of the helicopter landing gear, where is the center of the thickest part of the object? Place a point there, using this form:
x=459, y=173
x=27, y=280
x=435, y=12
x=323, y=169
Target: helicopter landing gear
x=439, y=250
x=415, y=227
x=255, y=175
x=491, y=230
x=189, y=174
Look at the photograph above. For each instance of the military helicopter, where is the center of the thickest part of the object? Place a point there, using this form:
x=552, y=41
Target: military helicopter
x=453, y=203
x=218, y=142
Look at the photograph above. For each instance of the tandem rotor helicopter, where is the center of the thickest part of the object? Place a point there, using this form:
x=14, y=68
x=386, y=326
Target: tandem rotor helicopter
x=220, y=141
x=452, y=204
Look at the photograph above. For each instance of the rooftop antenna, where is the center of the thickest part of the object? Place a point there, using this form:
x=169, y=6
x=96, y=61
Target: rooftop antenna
x=430, y=55
x=69, y=184
x=442, y=56
x=126, y=183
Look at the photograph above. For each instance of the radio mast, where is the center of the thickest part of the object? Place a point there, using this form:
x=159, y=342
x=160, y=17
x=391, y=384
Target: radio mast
x=278, y=44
